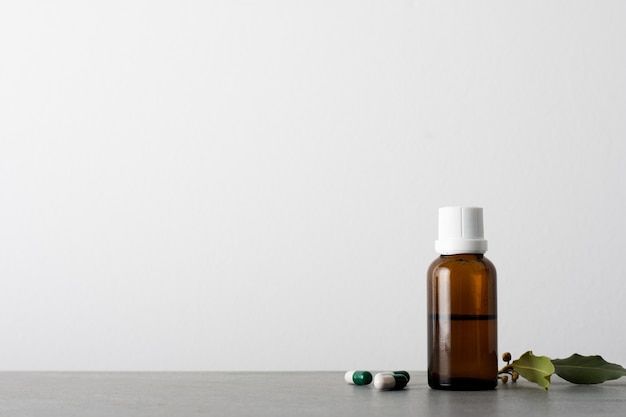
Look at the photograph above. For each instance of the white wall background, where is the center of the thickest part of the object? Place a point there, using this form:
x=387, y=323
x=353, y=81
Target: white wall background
x=242, y=185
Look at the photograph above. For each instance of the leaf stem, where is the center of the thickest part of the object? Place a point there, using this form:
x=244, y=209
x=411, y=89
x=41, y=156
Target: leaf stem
x=507, y=369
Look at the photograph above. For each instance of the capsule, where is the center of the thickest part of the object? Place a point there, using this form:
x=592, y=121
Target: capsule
x=390, y=381
x=358, y=377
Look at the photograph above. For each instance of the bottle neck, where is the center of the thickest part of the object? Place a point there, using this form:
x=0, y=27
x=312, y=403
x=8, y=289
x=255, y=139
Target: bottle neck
x=464, y=256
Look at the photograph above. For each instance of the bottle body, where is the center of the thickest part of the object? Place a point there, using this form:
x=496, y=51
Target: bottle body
x=462, y=323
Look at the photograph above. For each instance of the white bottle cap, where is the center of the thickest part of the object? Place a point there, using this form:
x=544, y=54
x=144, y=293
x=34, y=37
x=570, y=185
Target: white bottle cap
x=460, y=231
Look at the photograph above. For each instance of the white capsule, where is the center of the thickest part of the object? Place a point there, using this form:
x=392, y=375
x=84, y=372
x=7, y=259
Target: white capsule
x=390, y=381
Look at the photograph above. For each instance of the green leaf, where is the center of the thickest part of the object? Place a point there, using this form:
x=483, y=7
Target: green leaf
x=537, y=369
x=580, y=369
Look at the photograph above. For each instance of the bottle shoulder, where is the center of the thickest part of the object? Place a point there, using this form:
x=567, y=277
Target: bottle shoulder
x=462, y=262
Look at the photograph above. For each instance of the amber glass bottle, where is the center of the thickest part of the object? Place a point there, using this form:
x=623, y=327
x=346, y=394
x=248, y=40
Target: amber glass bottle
x=462, y=305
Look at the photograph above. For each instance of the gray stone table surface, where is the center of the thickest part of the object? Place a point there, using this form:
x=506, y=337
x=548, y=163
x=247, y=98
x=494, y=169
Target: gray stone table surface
x=278, y=394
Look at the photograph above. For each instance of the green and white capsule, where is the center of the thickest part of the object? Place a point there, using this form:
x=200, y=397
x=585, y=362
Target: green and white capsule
x=358, y=377
x=390, y=381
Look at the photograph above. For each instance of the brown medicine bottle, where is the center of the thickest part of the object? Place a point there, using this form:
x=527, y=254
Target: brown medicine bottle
x=462, y=305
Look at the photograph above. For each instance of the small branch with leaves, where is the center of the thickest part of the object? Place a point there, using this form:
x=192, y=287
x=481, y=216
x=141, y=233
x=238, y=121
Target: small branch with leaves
x=576, y=369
